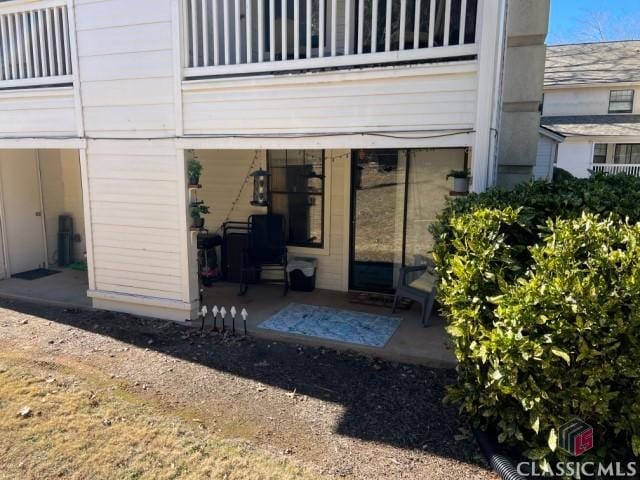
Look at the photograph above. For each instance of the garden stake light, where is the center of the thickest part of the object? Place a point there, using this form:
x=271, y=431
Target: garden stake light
x=215, y=311
x=233, y=319
x=244, y=315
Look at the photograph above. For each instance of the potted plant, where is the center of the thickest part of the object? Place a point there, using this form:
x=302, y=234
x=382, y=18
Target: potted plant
x=196, y=212
x=460, y=180
x=208, y=275
x=194, y=169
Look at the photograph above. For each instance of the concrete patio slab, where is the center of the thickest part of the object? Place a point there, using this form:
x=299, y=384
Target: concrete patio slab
x=67, y=288
x=410, y=343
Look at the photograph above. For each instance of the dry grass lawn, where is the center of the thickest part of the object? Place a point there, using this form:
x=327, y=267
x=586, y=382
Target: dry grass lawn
x=85, y=425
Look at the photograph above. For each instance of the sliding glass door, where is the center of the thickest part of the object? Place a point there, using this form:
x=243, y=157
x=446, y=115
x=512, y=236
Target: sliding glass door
x=396, y=195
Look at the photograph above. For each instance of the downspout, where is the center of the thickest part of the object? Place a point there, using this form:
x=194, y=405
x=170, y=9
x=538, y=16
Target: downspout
x=496, y=114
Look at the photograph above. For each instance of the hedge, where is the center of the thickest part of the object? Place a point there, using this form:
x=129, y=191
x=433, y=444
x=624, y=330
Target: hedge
x=541, y=291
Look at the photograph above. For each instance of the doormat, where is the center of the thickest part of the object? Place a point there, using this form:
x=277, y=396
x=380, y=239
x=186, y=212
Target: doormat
x=35, y=274
x=340, y=325
x=378, y=300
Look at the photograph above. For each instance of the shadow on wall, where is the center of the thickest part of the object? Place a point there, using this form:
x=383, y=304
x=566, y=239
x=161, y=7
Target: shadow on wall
x=399, y=405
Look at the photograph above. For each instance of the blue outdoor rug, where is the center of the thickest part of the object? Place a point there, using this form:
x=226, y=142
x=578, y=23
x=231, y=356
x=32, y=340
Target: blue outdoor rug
x=339, y=325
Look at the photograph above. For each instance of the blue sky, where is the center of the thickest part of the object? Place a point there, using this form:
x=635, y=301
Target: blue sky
x=574, y=21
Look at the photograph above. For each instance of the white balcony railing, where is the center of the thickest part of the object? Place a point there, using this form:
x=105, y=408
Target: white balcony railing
x=34, y=46
x=613, y=168
x=225, y=37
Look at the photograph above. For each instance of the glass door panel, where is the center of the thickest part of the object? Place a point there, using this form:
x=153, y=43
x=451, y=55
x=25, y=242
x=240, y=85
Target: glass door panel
x=379, y=178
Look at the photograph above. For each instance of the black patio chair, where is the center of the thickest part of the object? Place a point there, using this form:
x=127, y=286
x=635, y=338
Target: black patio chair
x=266, y=251
x=419, y=284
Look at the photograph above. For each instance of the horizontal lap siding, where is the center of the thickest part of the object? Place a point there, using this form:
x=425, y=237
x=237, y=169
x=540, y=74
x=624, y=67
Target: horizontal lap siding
x=126, y=67
x=37, y=114
x=411, y=103
x=135, y=218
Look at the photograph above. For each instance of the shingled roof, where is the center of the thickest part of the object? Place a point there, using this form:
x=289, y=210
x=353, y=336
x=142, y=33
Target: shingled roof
x=591, y=63
x=594, y=125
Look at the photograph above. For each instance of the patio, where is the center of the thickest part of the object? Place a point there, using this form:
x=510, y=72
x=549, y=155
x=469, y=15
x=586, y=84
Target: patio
x=67, y=289
x=410, y=343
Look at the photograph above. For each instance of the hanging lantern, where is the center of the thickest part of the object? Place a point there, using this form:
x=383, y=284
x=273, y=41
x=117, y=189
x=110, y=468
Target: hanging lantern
x=261, y=188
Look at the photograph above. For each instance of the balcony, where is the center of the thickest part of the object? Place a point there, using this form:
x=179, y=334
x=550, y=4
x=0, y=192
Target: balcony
x=247, y=37
x=615, y=168
x=35, y=47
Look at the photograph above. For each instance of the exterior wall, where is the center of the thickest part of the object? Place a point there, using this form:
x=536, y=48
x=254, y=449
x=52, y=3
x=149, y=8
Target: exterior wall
x=138, y=224
x=583, y=100
x=125, y=54
x=575, y=157
x=394, y=98
x=545, y=159
x=47, y=111
x=523, y=76
x=129, y=87
x=62, y=194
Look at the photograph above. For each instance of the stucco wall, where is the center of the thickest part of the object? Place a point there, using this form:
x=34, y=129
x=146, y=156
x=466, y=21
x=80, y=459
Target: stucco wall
x=527, y=24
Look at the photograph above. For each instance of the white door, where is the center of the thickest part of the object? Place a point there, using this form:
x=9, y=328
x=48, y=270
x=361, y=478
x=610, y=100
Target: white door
x=21, y=201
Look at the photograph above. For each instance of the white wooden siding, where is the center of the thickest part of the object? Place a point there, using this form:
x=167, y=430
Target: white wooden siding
x=135, y=218
x=420, y=100
x=38, y=112
x=545, y=159
x=125, y=54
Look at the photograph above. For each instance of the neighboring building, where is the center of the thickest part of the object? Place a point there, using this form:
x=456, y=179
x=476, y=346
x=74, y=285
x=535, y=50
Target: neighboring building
x=592, y=98
x=102, y=103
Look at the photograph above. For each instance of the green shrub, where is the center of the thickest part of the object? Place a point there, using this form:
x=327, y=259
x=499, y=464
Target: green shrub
x=543, y=304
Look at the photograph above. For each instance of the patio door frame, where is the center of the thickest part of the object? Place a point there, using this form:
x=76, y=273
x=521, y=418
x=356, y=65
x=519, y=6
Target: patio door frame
x=352, y=215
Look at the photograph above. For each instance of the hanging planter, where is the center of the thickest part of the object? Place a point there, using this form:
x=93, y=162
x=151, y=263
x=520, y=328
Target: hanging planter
x=194, y=169
x=460, y=181
x=196, y=215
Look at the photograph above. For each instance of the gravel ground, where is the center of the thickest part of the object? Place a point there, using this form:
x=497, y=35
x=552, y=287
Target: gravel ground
x=339, y=414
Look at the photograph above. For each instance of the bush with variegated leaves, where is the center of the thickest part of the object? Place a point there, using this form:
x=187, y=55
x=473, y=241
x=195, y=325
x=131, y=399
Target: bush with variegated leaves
x=545, y=317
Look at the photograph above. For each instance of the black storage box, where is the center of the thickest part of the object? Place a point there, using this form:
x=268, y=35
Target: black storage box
x=302, y=274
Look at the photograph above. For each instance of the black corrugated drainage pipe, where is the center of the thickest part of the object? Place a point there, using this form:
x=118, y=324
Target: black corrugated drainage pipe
x=500, y=464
